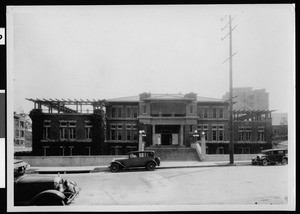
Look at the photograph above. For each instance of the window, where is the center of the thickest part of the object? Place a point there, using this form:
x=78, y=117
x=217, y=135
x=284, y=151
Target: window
x=88, y=127
x=135, y=112
x=261, y=133
x=245, y=133
x=119, y=112
x=88, y=133
x=63, y=129
x=67, y=130
x=221, y=113
x=128, y=135
x=113, y=112
x=135, y=135
x=63, y=133
x=191, y=128
x=199, y=112
x=203, y=128
x=214, y=112
x=119, y=135
x=72, y=133
x=46, y=129
x=205, y=113
x=119, y=126
x=128, y=126
x=113, y=132
x=214, y=135
x=218, y=132
x=128, y=112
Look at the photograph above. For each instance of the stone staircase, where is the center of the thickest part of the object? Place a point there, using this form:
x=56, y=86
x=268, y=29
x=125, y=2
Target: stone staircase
x=175, y=153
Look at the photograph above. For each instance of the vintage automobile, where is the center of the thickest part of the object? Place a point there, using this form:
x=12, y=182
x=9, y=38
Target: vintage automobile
x=271, y=156
x=40, y=190
x=145, y=159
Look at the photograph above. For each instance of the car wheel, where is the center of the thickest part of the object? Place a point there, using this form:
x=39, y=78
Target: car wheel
x=264, y=162
x=114, y=167
x=150, y=166
x=284, y=161
x=50, y=201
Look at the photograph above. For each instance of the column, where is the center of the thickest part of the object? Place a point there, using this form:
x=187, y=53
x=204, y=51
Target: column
x=153, y=135
x=203, y=145
x=181, y=136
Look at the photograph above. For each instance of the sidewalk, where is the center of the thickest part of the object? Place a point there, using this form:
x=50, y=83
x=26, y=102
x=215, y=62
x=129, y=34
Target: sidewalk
x=164, y=165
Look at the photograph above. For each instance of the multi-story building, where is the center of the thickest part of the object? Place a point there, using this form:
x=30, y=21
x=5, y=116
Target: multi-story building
x=19, y=129
x=245, y=98
x=169, y=121
x=61, y=130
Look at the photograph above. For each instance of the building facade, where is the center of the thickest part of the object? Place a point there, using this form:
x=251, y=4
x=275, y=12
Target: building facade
x=113, y=126
x=22, y=130
x=63, y=131
x=170, y=120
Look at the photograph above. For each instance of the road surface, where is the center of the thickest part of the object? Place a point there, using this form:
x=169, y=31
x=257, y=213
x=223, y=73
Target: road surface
x=185, y=186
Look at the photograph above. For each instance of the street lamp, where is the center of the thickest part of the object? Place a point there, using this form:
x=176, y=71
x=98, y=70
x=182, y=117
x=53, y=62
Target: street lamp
x=196, y=135
x=142, y=134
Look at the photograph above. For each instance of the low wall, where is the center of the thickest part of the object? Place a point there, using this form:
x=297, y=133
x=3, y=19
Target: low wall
x=225, y=157
x=104, y=160
x=36, y=161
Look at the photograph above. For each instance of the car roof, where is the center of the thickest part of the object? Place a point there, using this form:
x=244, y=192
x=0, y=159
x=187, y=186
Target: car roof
x=19, y=163
x=268, y=150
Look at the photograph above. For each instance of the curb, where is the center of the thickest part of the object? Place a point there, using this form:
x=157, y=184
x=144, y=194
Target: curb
x=105, y=168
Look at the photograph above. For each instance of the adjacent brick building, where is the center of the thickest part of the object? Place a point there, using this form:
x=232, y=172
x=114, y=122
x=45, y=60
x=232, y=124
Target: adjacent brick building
x=64, y=131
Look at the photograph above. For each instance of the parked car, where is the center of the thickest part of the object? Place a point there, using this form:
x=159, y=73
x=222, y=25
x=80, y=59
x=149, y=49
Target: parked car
x=41, y=190
x=146, y=159
x=271, y=156
x=20, y=167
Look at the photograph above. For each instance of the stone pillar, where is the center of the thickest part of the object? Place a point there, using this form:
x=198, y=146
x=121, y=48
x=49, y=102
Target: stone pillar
x=140, y=141
x=203, y=145
x=181, y=136
x=153, y=135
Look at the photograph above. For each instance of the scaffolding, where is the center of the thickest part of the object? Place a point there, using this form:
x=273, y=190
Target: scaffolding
x=68, y=106
x=251, y=115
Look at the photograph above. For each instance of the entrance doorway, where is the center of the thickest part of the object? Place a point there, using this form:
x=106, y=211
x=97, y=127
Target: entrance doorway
x=166, y=139
x=168, y=133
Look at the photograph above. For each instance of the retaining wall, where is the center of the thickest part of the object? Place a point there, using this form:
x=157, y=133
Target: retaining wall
x=104, y=160
x=35, y=161
x=225, y=157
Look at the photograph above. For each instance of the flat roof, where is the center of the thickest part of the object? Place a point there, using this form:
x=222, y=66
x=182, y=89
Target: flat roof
x=164, y=97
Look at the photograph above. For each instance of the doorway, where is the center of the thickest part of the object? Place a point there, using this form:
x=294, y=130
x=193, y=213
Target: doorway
x=166, y=139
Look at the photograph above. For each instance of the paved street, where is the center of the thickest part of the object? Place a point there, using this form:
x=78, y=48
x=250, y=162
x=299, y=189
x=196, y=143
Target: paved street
x=185, y=186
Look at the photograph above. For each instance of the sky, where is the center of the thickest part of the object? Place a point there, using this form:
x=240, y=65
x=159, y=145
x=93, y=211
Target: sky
x=103, y=52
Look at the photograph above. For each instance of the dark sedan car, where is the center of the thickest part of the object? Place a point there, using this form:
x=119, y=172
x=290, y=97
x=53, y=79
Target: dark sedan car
x=42, y=190
x=145, y=159
x=271, y=156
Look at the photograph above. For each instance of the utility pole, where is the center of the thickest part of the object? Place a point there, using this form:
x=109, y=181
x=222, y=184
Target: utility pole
x=231, y=143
